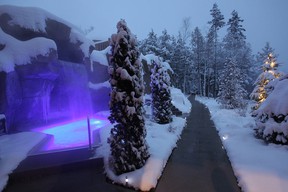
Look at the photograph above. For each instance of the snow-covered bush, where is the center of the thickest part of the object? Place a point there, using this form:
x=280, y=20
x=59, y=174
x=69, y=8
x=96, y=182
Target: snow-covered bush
x=129, y=150
x=161, y=95
x=272, y=115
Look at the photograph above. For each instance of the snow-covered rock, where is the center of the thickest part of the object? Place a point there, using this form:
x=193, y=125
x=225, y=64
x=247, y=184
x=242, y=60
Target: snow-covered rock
x=24, y=23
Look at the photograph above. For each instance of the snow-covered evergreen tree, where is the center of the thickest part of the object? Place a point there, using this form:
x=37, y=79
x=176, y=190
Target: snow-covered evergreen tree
x=165, y=46
x=235, y=46
x=272, y=115
x=231, y=92
x=150, y=45
x=129, y=150
x=198, y=58
x=161, y=95
x=181, y=64
x=261, y=56
x=262, y=89
x=216, y=23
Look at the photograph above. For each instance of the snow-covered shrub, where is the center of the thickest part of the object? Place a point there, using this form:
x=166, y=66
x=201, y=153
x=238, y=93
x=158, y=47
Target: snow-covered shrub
x=272, y=115
x=129, y=150
x=161, y=95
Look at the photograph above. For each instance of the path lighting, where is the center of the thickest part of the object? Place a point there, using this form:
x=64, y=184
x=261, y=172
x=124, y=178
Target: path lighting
x=126, y=180
x=225, y=137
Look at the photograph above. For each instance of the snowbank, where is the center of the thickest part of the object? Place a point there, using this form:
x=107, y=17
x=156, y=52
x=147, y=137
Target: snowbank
x=17, y=52
x=161, y=140
x=257, y=166
x=13, y=149
x=180, y=101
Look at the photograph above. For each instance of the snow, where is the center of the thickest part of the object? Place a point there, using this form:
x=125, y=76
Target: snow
x=161, y=140
x=97, y=86
x=273, y=104
x=13, y=149
x=180, y=101
x=151, y=57
x=35, y=19
x=258, y=167
x=100, y=57
x=18, y=52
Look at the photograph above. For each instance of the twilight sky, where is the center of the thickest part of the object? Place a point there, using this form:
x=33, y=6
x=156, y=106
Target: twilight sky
x=264, y=20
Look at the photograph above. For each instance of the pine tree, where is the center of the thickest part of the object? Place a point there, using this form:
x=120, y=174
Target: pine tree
x=216, y=23
x=129, y=150
x=235, y=46
x=235, y=38
x=262, y=90
x=161, y=95
x=231, y=91
x=261, y=56
x=181, y=65
x=198, y=58
x=150, y=45
x=165, y=46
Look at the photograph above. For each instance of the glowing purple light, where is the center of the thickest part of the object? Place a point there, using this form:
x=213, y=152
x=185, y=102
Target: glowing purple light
x=71, y=134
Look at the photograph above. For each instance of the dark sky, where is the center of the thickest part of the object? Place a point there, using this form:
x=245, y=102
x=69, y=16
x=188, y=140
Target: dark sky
x=264, y=20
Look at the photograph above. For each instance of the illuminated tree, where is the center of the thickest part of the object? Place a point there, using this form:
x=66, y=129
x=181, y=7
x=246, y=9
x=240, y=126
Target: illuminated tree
x=129, y=150
x=262, y=89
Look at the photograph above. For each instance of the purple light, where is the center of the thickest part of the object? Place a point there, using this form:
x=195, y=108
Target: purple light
x=71, y=134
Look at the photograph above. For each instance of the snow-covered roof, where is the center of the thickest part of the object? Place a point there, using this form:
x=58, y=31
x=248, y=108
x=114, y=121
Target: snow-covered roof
x=17, y=52
x=35, y=19
x=276, y=102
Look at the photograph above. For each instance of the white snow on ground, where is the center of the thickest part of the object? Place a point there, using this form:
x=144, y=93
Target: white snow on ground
x=259, y=167
x=13, y=149
x=21, y=52
x=161, y=140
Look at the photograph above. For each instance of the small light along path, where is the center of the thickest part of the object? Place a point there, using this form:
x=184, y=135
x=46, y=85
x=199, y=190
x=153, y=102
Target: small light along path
x=199, y=163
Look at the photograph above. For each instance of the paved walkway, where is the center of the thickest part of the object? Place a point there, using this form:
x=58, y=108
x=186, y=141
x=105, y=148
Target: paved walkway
x=198, y=163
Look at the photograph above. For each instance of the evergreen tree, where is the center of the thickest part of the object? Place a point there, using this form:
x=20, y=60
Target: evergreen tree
x=216, y=23
x=261, y=56
x=231, y=91
x=198, y=58
x=129, y=150
x=181, y=65
x=235, y=38
x=165, y=46
x=150, y=45
x=161, y=96
x=235, y=46
x=262, y=89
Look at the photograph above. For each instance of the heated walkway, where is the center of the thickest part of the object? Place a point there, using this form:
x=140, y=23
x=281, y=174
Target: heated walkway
x=199, y=163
